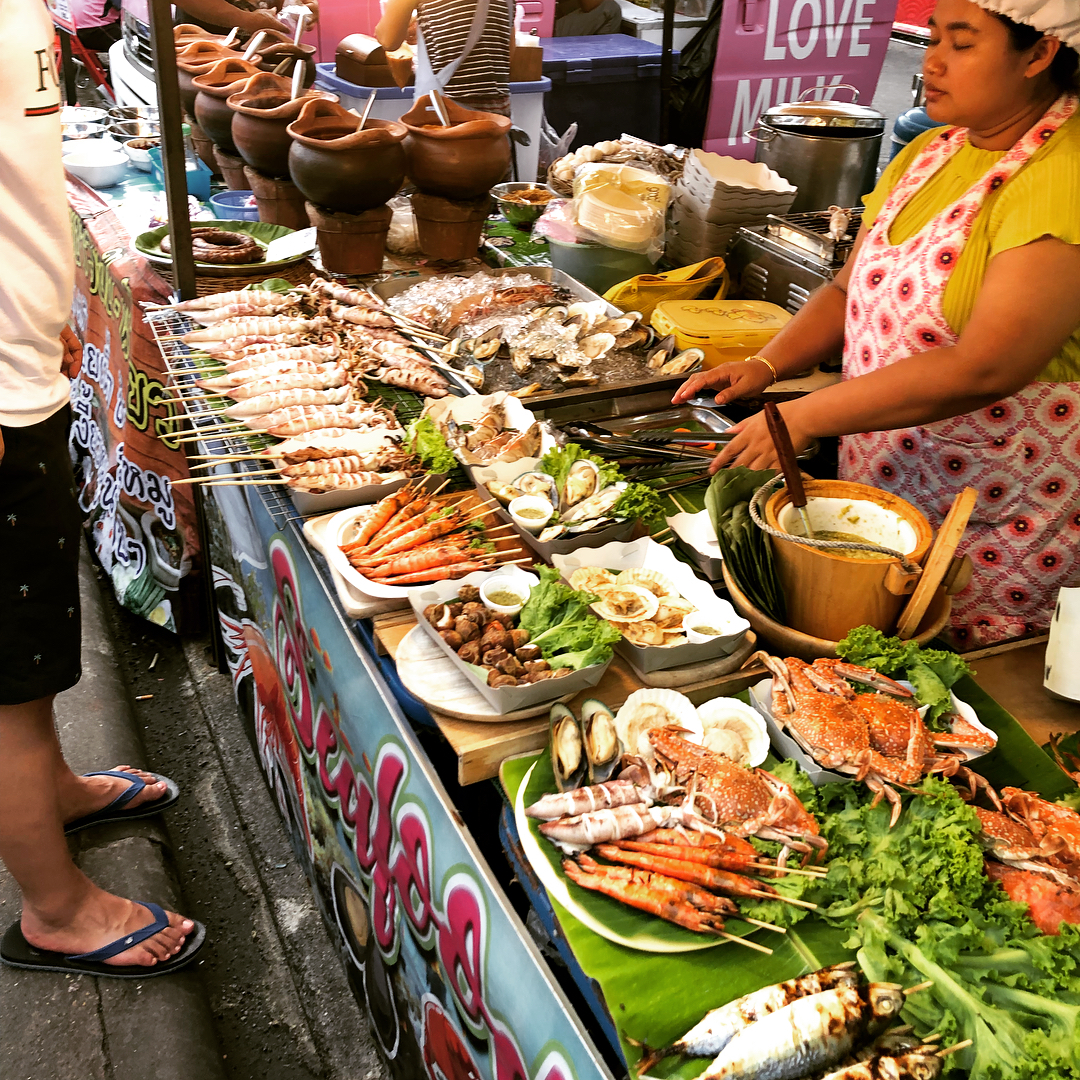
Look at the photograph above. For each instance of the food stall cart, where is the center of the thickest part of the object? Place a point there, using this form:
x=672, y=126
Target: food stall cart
x=391, y=803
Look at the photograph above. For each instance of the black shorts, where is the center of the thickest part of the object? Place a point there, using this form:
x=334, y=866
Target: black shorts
x=40, y=525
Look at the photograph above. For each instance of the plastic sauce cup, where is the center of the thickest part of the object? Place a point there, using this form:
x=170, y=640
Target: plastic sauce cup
x=697, y=622
x=531, y=512
x=501, y=584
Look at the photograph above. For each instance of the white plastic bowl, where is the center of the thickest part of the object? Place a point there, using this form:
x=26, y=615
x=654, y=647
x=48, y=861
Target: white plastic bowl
x=99, y=170
x=139, y=157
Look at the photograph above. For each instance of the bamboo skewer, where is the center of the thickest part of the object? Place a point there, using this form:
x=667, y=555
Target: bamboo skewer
x=919, y=987
x=764, y=925
x=759, y=864
x=954, y=1048
x=783, y=899
x=746, y=942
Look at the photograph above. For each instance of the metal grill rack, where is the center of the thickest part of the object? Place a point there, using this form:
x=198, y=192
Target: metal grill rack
x=168, y=327
x=809, y=232
x=784, y=259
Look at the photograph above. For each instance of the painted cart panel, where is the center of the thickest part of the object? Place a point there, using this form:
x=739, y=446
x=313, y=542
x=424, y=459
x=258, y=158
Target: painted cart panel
x=454, y=986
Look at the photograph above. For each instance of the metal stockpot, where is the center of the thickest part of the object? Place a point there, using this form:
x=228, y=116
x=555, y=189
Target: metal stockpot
x=828, y=149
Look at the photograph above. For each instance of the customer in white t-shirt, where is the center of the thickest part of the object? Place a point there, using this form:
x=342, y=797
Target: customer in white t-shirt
x=68, y=923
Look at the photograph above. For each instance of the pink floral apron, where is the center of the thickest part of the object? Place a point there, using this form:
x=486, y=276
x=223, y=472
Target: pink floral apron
x=1020, y=453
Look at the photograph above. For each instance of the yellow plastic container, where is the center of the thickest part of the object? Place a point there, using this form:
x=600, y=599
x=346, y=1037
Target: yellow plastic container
x=724, y=330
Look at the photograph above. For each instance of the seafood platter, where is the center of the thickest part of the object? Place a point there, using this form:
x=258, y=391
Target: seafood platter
x=811, y=710
x=536, y=331
x=678, y=873
x=520, y=639
x=311, y=372
x=668, y=616
x=508, y=454
x=414, y=537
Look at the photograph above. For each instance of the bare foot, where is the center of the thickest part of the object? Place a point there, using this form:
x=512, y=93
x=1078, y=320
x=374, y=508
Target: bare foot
x=102, y=919
x=93, y=793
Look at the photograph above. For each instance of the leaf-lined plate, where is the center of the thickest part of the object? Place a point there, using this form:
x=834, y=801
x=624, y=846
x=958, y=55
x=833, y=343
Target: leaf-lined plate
x=149, y=244
x=605, y=916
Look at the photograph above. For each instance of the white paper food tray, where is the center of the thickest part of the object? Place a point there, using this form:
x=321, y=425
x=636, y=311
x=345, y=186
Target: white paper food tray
x=695, y=533
x=650, y=555
x=505, y=699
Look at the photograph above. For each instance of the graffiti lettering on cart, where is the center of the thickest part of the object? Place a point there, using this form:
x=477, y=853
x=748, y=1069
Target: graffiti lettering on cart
x=392, y=841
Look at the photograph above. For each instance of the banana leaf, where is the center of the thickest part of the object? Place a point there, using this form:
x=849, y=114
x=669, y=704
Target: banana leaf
x=654, y=998
x=746, y=549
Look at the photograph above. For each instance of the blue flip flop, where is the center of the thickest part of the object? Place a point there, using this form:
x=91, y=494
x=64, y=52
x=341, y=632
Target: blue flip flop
x=16, y=951
x=118, y=809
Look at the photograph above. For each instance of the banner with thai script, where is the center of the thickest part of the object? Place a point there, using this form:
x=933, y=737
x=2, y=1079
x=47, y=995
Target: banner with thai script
x=453, y=986
x=123, y=436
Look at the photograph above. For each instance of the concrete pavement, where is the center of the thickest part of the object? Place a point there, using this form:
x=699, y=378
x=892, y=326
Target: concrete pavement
x=60, y=1027
x=268, y=998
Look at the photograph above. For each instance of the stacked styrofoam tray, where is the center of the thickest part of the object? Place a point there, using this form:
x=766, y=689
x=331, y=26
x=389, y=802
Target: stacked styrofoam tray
x=725, y=190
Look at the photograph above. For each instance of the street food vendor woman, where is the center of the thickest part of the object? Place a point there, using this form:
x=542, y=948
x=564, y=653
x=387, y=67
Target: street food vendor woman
x=959, y=316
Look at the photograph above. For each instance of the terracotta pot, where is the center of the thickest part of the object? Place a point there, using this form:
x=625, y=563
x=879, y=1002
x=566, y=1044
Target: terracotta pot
x=197, y=58
x=280, y=200
x=204, y=147
x=462, y=161
x=449, y=229
x=231, y=168
x=214, y=87
x=351, y=244
x=341, y=168
x=185, y=33
x=262, y=113
x=280, y=56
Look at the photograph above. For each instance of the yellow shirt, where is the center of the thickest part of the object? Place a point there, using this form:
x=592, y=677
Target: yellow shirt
x=1043, y=199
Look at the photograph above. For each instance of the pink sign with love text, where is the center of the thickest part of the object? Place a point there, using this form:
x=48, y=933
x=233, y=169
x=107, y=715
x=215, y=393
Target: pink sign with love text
x=772, y=51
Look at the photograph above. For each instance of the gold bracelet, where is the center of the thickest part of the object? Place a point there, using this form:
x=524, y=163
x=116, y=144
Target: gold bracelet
x=768, y=364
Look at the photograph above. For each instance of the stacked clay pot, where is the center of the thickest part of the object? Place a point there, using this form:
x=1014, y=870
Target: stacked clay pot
x=215, y=87
x=347, y=175
x=262, y=112
x=462, y=161
x=196, y=58
x=340, y=167
x=277, y=54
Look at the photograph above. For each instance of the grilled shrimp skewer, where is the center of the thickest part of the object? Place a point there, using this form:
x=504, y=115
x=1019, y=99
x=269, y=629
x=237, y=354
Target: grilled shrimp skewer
x=259, y=327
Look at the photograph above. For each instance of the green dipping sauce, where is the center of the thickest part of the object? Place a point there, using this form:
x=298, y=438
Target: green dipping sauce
x=504, y=598
x=531, y=513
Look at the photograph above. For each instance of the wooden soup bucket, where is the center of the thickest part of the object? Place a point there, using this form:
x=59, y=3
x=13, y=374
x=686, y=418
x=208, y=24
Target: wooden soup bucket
x=830, y=592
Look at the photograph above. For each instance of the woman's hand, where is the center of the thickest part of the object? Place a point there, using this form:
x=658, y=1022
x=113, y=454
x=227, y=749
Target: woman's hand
x=262, y=19
x=752, y=445
x=733, y=381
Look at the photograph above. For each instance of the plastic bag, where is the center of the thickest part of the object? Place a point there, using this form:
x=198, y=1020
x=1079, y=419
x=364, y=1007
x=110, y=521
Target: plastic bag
x=622, y=207
x=644, y=292
x=402, y=238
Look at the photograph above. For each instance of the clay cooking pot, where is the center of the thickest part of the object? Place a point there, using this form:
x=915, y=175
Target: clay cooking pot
x=186, y=33
x=262, y=112
x=212, y=112
x=279, y=57
x=194, y=59
x=462, y=161
x=339, y=167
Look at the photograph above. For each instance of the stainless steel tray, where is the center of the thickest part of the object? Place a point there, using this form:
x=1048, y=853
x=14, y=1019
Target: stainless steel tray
x=666, y=419
x=556, y=398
